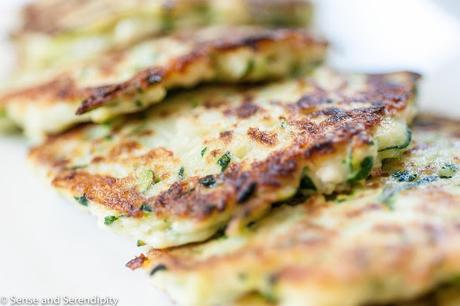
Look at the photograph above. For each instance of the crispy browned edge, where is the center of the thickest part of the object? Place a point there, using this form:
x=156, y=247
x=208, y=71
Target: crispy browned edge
x=65, y=88
x=236, y=187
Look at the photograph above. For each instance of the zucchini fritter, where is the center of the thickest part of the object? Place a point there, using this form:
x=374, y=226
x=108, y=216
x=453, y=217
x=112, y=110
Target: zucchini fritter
x=133, y=79
x=391, y=240
x=181, y=171
x=57, y=32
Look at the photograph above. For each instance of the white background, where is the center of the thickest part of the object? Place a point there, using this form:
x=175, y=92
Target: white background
x=48, y=248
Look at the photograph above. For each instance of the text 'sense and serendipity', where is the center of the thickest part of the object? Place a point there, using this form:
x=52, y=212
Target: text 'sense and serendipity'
x=59, y=300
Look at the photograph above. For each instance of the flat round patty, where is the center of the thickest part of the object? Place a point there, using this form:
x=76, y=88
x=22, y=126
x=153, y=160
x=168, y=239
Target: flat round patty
x=132, y=79
x=181, y=171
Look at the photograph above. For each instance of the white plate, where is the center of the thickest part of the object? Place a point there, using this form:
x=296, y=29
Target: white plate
x=50, y=249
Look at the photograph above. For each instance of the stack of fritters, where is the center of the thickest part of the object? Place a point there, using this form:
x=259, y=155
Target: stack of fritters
x=250, y=173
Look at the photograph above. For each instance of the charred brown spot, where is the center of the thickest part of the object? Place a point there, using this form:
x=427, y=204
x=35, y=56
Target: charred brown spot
x=276, y=168
x=321, y=148
x=214, y=103
x=97, y=159
x=137, y=262
x=360, y=211
x=246, y=193
x=186, y=200
x=98, y=96
x=265, y=138
x=333, y=114
x=215, y=153
x=309, y=102
x=392, y=93
x=226, y=136
x=246, y=110
x=124, y=148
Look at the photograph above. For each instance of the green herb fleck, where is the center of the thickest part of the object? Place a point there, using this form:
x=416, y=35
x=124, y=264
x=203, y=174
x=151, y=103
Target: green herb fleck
x=242, y=276
x=140, y=243
x=454, y=281
x=224, y=161
x=145, y=179
x=404, y=176
x=158, y=268
x=83, y=200
x=139, y=103
x=110, y=219
x=307, y=183
x=306, y=187
x=269, y=296
x=146, y=208
x=181, y=173
x=297, y=70
x=168, y=25
x=250, y=67
x=424, y=181
x=284, y=123
x=203, y=151
x=342, y=198
x=448, y=171
x=389, y=193
x=76, y=167
x=138, y=129
x=195, y=103
x=208, y=181
x=364, y=170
